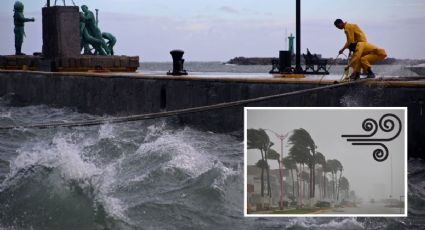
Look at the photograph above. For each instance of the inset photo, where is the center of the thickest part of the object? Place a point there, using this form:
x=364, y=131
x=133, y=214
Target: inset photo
x=342, y=161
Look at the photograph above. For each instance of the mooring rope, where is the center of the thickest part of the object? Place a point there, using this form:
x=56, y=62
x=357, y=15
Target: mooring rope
x=147, y=116
x=333, y=64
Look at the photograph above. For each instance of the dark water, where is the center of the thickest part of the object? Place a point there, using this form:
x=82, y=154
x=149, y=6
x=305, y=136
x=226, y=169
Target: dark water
x=143, y=175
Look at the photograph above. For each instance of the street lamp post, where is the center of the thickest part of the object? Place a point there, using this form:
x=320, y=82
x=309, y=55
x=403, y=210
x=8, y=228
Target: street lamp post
x=298, y=68
x=281, y=137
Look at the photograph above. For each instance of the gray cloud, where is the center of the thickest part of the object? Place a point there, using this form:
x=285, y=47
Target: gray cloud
x=229, y=9
x=215, y=39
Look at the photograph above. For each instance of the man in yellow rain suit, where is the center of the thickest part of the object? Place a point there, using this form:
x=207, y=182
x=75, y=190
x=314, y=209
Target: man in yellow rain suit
x=352, y=31
x=364, y=55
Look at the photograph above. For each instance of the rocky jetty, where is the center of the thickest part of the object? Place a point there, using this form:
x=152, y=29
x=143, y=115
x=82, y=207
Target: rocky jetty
x=251, y=60
x=338, y=61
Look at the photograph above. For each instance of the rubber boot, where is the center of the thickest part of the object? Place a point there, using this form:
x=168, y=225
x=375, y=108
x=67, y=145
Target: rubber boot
x=355, y=76
x=370, y=74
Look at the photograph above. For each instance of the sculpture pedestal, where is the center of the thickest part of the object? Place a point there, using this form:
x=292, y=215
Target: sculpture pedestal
x=80, y=63
x=61, y=31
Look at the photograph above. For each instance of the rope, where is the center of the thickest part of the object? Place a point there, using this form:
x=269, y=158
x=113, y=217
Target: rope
x=330, y=66
x=147, y=116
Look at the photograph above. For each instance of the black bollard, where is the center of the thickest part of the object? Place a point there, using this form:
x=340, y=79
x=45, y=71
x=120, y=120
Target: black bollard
x=178, y=63
x=285, y=63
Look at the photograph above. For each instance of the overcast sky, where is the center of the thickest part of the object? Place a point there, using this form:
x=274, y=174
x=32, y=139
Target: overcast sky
x=217, y=30
x=369, y=178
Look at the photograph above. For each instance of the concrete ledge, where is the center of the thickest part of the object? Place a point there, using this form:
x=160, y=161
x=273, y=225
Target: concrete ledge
x=82, y=63
x=120, y=94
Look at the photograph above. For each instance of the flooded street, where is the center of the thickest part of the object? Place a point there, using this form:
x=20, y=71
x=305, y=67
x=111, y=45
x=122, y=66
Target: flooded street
x=376, y=208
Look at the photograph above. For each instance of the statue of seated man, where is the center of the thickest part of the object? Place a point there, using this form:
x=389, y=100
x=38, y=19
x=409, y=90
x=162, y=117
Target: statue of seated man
x=19, y=21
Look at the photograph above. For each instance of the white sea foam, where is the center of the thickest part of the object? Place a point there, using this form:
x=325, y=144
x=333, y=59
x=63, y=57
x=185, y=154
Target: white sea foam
x=181, y=153
x=61, y=153
x=311, y=223
x=106, y=131
x=155, y=130
x=350, y=101
x=65, y=153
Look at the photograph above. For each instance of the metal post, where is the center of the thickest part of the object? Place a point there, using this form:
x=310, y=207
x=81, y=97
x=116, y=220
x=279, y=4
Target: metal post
x=48, y=3
x=298, y=68
x=281, y=171
x=281, y=137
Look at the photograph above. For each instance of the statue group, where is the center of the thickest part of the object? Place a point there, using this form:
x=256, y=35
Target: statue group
x=93, y=41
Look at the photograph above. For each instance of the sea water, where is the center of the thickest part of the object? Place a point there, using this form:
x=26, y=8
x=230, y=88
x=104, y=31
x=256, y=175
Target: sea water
x=153, y=174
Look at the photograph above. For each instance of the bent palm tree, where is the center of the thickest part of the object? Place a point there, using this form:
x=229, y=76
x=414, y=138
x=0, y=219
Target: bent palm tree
x=340, y=169
x=302, y=146
x=258, y=139
x=344, y=186
x=321, y=160
x=331, y=167
x=273, y=155
x=290, y=164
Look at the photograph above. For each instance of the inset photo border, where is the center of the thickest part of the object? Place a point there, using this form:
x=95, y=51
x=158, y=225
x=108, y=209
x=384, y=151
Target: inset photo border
x=325, y=161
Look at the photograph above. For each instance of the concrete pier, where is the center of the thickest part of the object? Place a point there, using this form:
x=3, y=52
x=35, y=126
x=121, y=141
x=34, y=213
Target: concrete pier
x=124, y=94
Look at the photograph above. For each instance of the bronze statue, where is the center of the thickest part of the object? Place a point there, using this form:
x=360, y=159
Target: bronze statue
x=111, y=41
x=91, y=34
x=19, y=21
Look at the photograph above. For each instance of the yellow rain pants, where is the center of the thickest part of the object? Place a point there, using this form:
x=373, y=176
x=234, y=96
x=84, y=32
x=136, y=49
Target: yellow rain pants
x=365, y=56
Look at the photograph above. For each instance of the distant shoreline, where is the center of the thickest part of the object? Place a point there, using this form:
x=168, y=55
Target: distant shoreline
x=339, y=61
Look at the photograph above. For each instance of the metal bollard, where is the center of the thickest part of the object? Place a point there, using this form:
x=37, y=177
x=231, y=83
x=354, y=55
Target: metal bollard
x=178, y=63
x=283, y=64
x=285, y=61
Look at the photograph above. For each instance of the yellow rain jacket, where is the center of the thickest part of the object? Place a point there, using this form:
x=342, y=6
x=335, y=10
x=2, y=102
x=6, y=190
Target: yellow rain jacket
x=354, y=34
x=365, y=55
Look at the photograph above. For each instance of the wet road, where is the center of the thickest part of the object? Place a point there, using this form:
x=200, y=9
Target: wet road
x=368, y=208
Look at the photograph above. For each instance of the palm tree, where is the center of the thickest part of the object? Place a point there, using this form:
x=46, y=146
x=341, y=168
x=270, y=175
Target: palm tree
x=334, y=167
x=319, y=180
x=321, y=160
x=305, y=177
x=340, y=169
x=290, y=164
x=328, y=169
x=301, y=156
x=273, y=155
x=262, y=164
x=344, y=185
x=331, y=167
x=270, y=144
x=258, y=139
x=303, y=145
